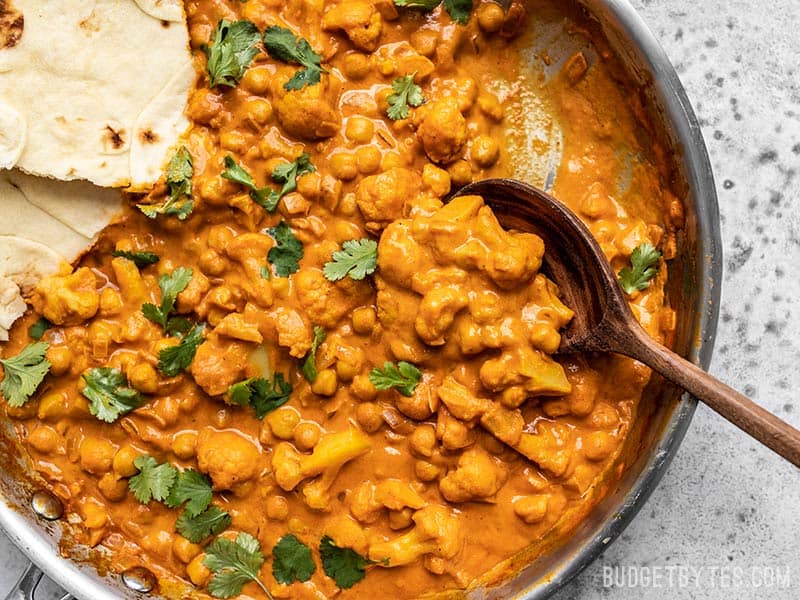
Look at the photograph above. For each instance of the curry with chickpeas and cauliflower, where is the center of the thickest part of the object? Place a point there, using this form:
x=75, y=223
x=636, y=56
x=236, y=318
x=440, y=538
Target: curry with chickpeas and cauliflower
x=294, y=369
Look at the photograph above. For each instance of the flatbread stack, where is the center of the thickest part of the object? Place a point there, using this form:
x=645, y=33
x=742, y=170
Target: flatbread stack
x=92, y=96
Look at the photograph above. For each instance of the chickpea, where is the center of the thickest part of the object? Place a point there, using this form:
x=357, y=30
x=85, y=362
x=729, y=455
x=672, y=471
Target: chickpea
x=362, y=388
x=364, y=319
x=326, y=383
x=484, y=151
x=144, y=378
x=306, y=435
x=122, y=463
x=283, y=421
x=184, y=444
x=235, y=141
x=345, y=230
x=423, y=440
x=219, y=236
x=368, y=159
x=490, y=17
x=184, y=549
x=391, y=160
x=604, y=416
x=198, y=573
x=346, y=370
x=60, y=358
x=96, y=455
x=400, y=519
x=359, y=129
x=598, y=445
x=491, y=107
x=344, y=166
x=112, y=487
x=212, y=263
x=425, y=471
x=356, y=66
x=259, y=111
x=94, y=516
x=425, y=41
x=310, y=185
x=110, y=302
x=348, y=205
x=531, y=509
x=277, y=508
x=213, y=190
x=368, y=415
x=256, y=80
x=436, y=180
x=460, y=173
x=44, y=439
x=280, y=286
x=545, y=338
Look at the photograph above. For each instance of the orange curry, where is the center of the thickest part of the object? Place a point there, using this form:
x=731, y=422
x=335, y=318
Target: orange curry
x=364, y=365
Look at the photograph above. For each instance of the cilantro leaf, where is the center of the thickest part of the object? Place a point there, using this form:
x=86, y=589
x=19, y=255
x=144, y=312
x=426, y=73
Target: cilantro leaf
x=264, y=396
x=287, y=252
x=265, y=197
x=287, y=173
x=174, y=359
x=406, y=93
x=309, y=364
x=36, y=331
x=178, y=326
x=191, y=487
x=404, y=376
x=344, y=565
x=283, y=45
x=357, y=258
x=141, y=259
x=153, y=481
x=179, y=201
x=234, y=564
x=108, y=393
x=24, y=373
x=292, y=561
x=232, y=51
x=196, y=528
x=644, y=261
x=171, y=285
x=458, y=10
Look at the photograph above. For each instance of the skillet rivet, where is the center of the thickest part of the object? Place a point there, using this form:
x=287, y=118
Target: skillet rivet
x=47, y=506
x=139, y=579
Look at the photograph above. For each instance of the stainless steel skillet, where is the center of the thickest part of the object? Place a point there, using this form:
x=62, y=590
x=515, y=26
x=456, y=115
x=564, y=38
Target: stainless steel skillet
x=695, y=294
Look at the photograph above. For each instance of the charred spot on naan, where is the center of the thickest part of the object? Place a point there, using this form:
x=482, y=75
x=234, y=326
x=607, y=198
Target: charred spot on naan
x=12, y=22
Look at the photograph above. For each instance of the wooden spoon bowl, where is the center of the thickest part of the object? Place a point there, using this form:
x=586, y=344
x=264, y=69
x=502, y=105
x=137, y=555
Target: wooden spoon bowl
x=603, y=319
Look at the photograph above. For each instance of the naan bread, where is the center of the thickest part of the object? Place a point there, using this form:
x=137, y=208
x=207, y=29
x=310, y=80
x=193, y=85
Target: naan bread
x=100, y=85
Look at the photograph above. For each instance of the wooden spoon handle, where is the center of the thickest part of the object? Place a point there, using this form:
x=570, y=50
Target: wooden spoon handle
x=737, y=408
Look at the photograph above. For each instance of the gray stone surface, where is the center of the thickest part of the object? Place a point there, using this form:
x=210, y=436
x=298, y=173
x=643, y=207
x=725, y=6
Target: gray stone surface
x=725, y=518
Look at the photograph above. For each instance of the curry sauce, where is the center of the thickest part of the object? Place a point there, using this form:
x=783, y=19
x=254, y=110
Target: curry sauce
x=482, y=440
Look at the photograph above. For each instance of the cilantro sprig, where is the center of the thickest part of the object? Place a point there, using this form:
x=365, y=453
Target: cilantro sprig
x=174, y=359
x=403, y=376
x=24, y=373
x=153, y=481
x=459, y=10
x=292, y=561
x=405, y=93
x=286, y=173
x=356, y=259
x=283, y=45
x=288, y=250
x=644, y=266
x=211, y=521
x=260, y=393
x=109, y=394
x=309, y=367
x=344, y=565
x=171, y=285
x=233, y=48
x=233, y=564
x=193, y=488
x=179, y=201
x=140, y=259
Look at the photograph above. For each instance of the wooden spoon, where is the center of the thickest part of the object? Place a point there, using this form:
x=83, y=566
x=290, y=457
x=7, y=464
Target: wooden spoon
x=603, y=320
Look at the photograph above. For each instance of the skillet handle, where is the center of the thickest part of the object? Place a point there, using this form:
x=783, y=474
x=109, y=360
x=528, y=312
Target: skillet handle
x=26, y=585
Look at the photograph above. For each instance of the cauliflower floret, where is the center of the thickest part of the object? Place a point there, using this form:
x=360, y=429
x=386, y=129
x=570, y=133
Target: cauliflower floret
x=382, y=197
x=442, y=130
x=358, y=19
x=235, y=325
x=437, y=533
x=218, y=365
x=370, y=499
x=330, y=454
x=310, y=112
x=291, y=330
x=437, y=311
x=228, y=457
x=477, y=477
x=461, y=402
x=67, y=299
x=324, y=302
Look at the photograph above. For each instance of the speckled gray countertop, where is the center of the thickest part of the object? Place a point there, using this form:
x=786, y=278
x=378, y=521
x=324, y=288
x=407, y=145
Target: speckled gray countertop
x=723, y=524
